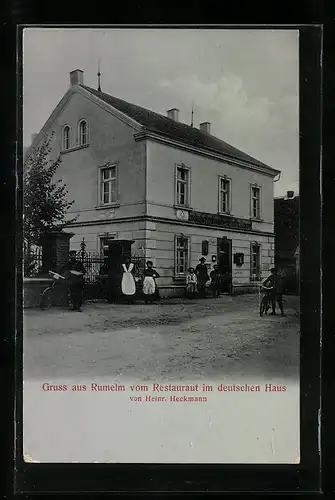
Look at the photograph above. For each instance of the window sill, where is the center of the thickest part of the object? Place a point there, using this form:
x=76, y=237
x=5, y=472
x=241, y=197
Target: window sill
x=179, y=278
x=183, y=207
x=107, y=205
x=75, y=148
x=227, y=214
x=256, y=219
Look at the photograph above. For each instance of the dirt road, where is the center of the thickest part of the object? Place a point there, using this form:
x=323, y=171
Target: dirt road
x=170, y=340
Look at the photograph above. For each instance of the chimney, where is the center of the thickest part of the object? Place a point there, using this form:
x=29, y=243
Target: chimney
x=205, y=127
x=173, y=114
x=77, y=77
x=33, y=137
x=290, y=194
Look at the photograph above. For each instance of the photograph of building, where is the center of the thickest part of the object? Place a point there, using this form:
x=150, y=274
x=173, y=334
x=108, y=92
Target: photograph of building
x=175, y=190
x=156, y=164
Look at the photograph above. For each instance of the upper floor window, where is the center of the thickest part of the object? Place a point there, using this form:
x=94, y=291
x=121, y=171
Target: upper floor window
x=108, y=184
x=255, y=202
x=182, y=185
x=224, y=194
x=83, y=133
x=66, y=138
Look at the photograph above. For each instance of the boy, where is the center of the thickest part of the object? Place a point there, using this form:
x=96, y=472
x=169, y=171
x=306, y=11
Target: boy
x=191, y=283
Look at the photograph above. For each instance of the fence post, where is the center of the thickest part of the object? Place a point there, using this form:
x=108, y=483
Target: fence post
x=82, y=250
x=55, y=251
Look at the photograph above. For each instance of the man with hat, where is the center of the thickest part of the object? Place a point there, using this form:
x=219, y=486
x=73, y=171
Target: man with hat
x=274, y=282
x=202, y=277
x=76, y=272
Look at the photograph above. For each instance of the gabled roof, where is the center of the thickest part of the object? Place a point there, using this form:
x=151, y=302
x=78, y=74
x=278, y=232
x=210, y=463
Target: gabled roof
x=162, y=125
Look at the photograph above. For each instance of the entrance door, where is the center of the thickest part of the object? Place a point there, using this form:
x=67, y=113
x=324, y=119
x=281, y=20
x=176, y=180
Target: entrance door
x=118, y=251
x=225, y=264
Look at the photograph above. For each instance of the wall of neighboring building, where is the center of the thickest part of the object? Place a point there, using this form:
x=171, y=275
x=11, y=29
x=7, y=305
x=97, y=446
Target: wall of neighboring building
x=110, y=140
x=287, y=241
x=205, y=172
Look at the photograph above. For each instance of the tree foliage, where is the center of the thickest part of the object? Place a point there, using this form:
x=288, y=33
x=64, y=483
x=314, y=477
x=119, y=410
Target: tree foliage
x=45, y=203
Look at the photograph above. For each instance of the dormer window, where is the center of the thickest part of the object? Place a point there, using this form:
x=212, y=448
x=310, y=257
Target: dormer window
x=83, y=133
x=66, y=138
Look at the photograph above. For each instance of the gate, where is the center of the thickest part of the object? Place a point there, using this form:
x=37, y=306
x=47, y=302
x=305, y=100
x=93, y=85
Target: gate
x=97, y=279
x=94, y=263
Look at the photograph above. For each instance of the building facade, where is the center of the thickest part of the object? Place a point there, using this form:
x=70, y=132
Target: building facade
x=176, y=191
x=287, y=248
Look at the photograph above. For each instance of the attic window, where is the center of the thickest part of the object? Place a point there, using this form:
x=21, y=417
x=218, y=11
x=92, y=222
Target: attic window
x=83, y=139
x=66, y=138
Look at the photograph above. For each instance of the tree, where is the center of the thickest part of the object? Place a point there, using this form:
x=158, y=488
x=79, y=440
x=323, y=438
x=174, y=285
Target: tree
x=44, y=200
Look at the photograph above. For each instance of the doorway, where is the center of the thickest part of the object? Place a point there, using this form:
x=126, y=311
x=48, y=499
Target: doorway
x=224, y=259
x=117, y=253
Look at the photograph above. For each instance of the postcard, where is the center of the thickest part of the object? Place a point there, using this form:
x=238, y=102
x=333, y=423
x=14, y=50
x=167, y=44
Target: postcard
x=161, y=245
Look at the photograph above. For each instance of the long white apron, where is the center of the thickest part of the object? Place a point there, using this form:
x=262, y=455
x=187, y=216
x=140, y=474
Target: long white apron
x=149, y=285
x=128, y=286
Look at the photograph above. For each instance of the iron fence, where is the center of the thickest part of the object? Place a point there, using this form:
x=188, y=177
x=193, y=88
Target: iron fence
x=94, y=264
x=32, y=262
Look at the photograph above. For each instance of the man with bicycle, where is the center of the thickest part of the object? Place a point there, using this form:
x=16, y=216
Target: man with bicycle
x=275, y=286
x=76, y=281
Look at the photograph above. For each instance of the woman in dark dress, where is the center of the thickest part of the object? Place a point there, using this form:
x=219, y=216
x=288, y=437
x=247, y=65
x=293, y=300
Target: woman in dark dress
x=150, y=289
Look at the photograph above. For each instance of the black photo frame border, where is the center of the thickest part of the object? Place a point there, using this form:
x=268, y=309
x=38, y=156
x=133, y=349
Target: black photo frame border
x=192, y=479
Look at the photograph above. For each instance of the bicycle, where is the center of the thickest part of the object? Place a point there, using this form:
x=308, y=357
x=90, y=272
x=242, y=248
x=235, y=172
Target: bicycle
x=47, y=294
x=266, y=299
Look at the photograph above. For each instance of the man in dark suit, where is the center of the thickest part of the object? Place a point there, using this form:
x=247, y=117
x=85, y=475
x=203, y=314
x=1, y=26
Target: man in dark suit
x=202, y=277
x=76, y=281
x=275, y=282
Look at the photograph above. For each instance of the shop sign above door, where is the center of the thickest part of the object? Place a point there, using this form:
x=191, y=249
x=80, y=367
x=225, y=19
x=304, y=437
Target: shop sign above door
x=207, y=219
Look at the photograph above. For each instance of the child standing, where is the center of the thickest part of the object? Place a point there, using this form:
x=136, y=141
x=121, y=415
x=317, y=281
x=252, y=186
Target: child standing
x=191, y=283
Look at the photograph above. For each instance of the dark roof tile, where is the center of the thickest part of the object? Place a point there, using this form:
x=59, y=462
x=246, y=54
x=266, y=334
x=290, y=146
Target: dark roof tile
x=165, y=126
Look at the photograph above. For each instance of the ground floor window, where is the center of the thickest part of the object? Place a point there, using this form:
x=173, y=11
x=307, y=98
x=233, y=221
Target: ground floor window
x=255, y=262
x=181, y=254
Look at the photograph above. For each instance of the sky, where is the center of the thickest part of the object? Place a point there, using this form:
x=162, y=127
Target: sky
x=244, y=82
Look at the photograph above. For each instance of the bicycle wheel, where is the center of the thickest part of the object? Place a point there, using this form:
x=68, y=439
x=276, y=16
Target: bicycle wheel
x=70, y=303
x=46, y=299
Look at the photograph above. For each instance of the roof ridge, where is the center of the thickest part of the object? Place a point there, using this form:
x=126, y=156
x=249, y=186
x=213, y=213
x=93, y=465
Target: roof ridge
x=189, y=134
x=143, y=108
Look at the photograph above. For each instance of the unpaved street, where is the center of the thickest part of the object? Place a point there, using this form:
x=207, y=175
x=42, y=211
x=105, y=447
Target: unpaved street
x=170, y=340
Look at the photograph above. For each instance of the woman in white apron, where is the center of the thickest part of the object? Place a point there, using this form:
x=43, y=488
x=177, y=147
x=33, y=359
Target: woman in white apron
x=149, y=283
x=128, y=286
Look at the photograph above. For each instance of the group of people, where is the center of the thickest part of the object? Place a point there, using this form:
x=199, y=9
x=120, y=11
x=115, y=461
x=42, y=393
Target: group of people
x=76, y=280
x=198, y=278
x=196, y=283
x=149, y=288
